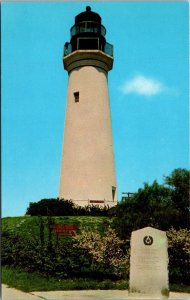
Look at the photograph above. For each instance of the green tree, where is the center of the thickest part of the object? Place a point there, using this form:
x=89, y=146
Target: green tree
x=179, y=184
x=158, y=205
x=150, y=206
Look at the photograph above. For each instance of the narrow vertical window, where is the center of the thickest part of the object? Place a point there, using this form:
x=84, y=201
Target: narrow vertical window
x=113, y=192
x=76, y=96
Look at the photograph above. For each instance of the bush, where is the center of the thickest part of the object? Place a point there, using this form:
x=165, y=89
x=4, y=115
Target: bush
x=62, y=259
x=65, y=257
x=86, y=255
x=107, y=252
x=179, y=255
x=52, y=207
x=56, y=207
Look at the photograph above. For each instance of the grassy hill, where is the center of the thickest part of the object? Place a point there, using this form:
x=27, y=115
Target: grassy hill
x=28, y=226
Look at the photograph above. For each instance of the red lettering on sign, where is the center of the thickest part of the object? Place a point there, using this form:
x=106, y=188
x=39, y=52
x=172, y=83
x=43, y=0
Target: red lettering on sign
x=65, y=229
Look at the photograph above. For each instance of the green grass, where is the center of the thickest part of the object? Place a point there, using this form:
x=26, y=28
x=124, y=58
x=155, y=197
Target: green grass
x=30, y=282
x=29, y=226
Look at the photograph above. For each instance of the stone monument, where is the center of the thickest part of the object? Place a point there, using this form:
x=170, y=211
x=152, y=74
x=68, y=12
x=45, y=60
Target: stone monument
x=149, y=262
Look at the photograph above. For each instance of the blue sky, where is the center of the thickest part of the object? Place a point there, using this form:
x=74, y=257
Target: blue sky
x=148, y=89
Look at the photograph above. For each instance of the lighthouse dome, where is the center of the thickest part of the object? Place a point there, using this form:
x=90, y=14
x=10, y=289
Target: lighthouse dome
x=88, y=15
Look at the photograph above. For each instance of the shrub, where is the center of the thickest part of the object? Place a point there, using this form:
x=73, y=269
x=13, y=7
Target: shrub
x=107, y=255
x=179, y=255
x=52, y=207
x=56, y=207
x=61, y=259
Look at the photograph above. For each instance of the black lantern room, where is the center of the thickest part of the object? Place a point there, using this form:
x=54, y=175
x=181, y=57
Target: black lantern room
x=88, y=34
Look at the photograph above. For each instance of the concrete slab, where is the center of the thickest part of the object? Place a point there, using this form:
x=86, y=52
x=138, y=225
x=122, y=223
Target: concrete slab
x=103, y=295
x=13, y=294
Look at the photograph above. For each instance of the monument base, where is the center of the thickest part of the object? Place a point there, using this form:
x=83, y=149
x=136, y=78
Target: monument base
x=139, y=296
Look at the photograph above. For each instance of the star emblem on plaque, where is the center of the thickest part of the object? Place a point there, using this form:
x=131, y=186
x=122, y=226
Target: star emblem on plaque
x=148, y=240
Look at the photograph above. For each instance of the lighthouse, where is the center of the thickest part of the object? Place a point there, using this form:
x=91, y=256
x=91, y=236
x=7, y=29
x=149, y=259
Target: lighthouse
x=87, y=169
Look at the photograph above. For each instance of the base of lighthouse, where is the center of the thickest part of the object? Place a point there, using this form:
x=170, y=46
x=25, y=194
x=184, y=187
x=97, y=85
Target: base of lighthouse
x=87, y=174
x=88, y=202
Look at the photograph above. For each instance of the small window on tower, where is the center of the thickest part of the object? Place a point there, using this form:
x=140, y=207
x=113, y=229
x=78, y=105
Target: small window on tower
x=76, y=95
x=113, y=192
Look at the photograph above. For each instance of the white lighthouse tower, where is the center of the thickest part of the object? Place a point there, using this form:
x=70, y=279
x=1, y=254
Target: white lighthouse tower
x=87, y=172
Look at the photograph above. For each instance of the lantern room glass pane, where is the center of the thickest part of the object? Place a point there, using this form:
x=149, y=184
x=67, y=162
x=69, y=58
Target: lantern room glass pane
x=67, y=49
x=108, y=49
x=88, y=26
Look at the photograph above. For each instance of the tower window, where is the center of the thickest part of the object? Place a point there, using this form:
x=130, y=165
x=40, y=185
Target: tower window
x=113, y=192
x=76, y=96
